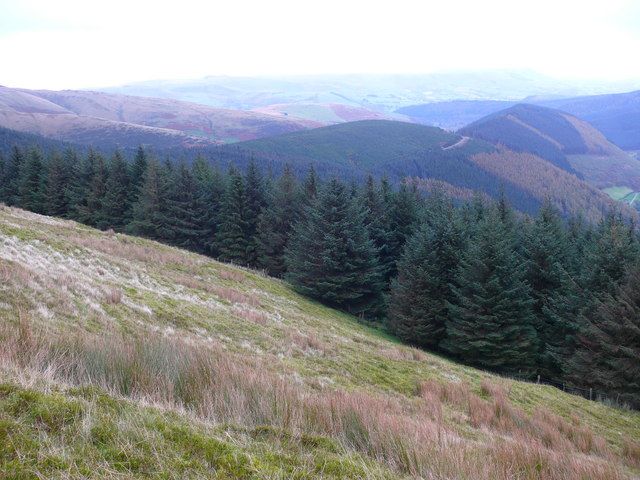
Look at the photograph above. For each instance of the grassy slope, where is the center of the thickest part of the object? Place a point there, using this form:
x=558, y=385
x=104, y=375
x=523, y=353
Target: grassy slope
x=69, y=281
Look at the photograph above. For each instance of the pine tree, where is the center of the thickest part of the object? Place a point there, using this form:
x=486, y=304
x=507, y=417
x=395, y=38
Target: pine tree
x=31, y=182
x=232, y=240
x=97, y=189
x=150, y=210
x=80, y=192
x=609, y=253
x=555, y=288
x=330, y=256
x=9, y=188
x=184, y=210
x=607, y=357
x=276, y=223
x=310, y=186
x=209, y=192
x=418, y=311
x=379, y=225
x=3, y=173
x=255, y=200
x=490, y=318
x=138, y=167
x=57, y=183
x=403, y=220
x=115, y=204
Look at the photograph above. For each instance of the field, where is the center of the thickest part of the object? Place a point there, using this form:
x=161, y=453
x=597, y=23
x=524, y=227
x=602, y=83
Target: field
x=124, y=358
x=623, y=194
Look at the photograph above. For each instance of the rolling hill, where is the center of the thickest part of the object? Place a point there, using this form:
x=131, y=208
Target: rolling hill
x=453, y=114
x=124, y=358
x=617, y=116
x=378, y=92
x=399, y=150
x=112, y=120
x=564, y=140
x=327, y=113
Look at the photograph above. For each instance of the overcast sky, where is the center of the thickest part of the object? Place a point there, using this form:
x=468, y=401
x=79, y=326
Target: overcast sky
x=76, y=44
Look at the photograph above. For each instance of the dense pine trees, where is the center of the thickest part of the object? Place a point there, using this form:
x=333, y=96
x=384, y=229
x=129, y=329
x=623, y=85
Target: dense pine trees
x=426, y=272
x=491, y=322
x=546, y=296
x=331, y=257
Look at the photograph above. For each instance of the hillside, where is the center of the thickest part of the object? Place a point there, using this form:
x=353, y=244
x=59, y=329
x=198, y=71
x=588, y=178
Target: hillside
x=562, y=139
x=399, y=150
x=327, y=113
x=453, y=114
x=117, y=120
x=122, y=357
x=617, y=116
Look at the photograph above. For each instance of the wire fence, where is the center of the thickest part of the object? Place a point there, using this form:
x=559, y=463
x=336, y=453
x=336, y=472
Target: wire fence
x=588, y=393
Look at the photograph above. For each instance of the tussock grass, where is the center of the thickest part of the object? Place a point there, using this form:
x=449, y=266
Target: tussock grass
x=226, y=354
x=411, y=438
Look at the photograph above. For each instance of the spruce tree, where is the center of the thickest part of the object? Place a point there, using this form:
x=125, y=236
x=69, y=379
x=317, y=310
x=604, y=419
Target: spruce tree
x=255, y=200
x=97, y=189
x=330, y=256
x=184, y=210
x=209, y=192
x=57, y=183
x=490, y=321
x=607, y=357
x=115, y=204
x=150, y=210
x=379, y=226
x=231, y=239
x=418, y=310
x=403, y=219
x=31, y=182
x=609, y=253
x=276, y=223
x=9, y=188
x=310, y=186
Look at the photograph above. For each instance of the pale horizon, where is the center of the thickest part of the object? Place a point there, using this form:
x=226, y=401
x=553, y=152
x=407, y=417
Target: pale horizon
x=73, y=44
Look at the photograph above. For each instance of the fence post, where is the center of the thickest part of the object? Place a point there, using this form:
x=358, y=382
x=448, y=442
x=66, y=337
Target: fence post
x=591, y=394
x=563, y=386
x=538, y=379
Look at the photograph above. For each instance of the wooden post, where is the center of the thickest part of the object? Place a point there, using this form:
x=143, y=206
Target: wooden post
x=591, y=394
x=563, y=386
x=538, y=379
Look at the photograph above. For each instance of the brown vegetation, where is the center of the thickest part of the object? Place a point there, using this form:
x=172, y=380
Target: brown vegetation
x=412, y=436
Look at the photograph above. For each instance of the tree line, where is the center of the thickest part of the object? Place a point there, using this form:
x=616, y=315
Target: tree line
x=545, y=295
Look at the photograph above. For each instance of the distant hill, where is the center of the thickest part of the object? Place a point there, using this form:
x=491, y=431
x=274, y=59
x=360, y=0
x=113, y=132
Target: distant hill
x=617, y=116
x=453, y=114
x=399, y=150
x=562, y=139
x=327, y=113
x=381, y=92
x=116, y=120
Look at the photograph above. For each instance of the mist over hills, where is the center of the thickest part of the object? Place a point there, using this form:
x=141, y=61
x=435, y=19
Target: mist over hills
x=373, y=91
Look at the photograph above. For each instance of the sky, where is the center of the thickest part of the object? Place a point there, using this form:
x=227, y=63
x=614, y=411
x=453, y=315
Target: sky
x=90, y=44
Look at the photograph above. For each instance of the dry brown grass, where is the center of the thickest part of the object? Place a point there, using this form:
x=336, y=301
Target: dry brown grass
x=231, y=275
x=631, y=450
x=234, y=296
x=255, y=316
x=411, y=436
x=119, y=246
x=113, y=296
